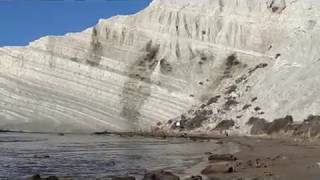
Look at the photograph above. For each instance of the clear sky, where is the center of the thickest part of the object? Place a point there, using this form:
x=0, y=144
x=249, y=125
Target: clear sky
x=22, y=21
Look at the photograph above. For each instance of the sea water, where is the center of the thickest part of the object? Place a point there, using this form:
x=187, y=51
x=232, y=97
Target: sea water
x=93, y=157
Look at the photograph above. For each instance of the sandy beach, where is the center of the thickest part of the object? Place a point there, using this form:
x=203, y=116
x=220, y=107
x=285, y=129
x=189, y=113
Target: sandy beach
x=267, y=159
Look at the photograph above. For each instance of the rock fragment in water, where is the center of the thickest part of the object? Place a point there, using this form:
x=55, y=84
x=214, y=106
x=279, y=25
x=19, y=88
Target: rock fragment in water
x=160, y=175
x=221, y=167
x=38, y=177
x=222, y=157
x=194, y=178
x=123, y=178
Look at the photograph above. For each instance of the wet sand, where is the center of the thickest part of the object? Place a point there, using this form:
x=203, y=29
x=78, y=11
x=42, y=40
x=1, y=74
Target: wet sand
x=271, y=159
x=259, y=158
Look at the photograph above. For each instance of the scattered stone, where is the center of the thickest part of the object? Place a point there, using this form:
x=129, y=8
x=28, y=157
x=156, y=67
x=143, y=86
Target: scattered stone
x=160, y=175
x=254, y=99
x=222, y=157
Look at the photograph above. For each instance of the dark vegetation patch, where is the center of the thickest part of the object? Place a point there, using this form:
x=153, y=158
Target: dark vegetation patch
x=279, y=124
x=259, y=66
x=231, y=62
x=229, y=104
x=92, y=62
x=96, y=49
x=310, y=127
x=140, y=70
x=178, y=50
x=213, y=100
x=74, y=59
x=245, y=107
x=257, y=108
x=241, y=79
x=203, y=106
x=194, y=121
x=261, y=126
x=231, y=89
x=225, y=125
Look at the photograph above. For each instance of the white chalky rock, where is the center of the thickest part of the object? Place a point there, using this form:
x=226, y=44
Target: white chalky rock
x=130, y=72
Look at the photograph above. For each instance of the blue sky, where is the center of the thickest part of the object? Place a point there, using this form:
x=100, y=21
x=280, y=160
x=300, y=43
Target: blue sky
x=22, y=21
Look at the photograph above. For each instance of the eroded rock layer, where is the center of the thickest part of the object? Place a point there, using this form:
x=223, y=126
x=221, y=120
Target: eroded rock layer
x=213, y=61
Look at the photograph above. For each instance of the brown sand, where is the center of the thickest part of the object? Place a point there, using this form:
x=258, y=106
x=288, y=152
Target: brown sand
x=273, y=159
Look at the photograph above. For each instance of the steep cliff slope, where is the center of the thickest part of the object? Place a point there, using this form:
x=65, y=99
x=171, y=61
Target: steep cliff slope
x=210, y=60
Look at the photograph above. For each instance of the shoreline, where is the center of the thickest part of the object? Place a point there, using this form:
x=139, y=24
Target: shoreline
x=260, y=158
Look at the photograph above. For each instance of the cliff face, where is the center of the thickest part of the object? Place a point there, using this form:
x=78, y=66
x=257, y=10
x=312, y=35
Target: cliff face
x=250, y=58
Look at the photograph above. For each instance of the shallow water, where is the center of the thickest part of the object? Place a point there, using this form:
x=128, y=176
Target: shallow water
x=94, y=157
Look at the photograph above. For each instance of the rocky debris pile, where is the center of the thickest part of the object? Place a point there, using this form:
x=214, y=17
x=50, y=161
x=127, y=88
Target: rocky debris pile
x=309, y=128
x=227, y=166
x=160, y=175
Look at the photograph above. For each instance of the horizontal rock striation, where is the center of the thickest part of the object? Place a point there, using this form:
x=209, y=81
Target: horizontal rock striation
x=205, y=59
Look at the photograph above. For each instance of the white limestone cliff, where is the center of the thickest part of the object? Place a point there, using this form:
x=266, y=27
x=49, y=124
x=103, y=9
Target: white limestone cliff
x=131, y=72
